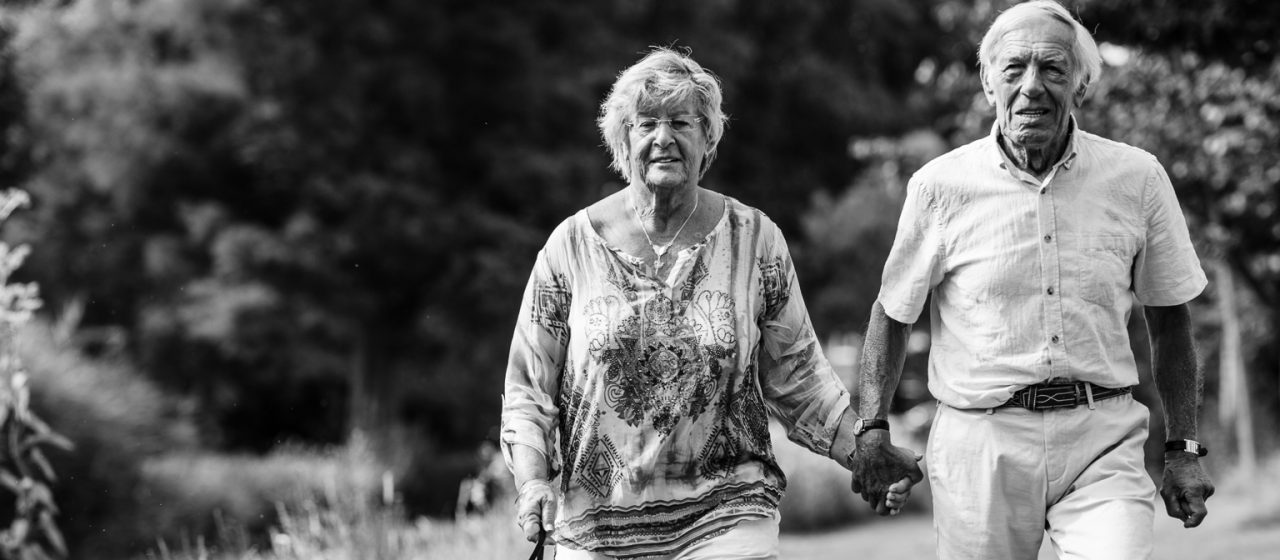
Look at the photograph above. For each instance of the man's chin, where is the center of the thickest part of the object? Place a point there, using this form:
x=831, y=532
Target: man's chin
x=1032, y=139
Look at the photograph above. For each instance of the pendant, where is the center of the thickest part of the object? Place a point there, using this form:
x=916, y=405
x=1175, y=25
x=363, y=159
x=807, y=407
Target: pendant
x=660, y=251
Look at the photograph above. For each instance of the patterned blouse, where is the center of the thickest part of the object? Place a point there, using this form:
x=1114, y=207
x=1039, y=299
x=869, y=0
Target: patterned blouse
x=649, y=395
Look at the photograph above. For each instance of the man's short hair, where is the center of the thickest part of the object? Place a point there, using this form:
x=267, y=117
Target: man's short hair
x=1084, y=50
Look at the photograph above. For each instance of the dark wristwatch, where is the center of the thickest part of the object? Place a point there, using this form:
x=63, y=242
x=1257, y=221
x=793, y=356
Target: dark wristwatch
x=1188, y=445
x=861, y=425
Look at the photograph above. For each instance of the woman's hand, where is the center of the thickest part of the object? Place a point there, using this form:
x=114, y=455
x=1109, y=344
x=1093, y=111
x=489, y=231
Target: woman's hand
x=897, y=495
x=536, y=509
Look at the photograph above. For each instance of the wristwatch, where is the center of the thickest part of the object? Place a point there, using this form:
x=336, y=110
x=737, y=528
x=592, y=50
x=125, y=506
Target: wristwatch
x=1188, y=445
x=862, y=425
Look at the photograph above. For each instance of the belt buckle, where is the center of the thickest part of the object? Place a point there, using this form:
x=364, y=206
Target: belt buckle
x=1032, y=397
x=1053, y=397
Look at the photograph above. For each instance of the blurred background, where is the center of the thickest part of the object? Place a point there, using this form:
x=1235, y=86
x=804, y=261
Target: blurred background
x=281, y=244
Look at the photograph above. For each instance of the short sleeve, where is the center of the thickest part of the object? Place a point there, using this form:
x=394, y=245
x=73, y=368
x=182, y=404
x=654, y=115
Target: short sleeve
x=1166, y=270
x=914, y=266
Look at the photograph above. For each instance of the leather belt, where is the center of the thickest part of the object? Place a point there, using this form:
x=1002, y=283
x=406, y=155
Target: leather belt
x=1061, y=395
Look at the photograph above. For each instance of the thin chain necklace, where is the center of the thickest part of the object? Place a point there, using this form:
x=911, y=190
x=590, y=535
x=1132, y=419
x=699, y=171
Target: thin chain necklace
x=661, y=250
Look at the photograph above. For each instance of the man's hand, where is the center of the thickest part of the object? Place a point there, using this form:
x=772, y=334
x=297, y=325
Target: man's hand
x=881, y=470
x=536, y=509
x=1185, y=488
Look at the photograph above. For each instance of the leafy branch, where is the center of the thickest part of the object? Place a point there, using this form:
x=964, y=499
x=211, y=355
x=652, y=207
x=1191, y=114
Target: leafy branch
x=25, y=470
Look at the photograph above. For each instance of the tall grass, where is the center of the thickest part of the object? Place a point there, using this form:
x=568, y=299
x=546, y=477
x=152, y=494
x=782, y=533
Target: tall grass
x=344, y=522
x=356, y=529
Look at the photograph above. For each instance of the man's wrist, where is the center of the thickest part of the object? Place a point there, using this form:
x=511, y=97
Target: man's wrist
x=1189, y=447
x=872, y=438
x=862, y=426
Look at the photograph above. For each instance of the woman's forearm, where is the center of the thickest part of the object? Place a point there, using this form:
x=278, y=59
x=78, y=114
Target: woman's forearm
x=528, y=464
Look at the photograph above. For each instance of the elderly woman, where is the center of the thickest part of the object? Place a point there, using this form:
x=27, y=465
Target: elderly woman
x=658, y=326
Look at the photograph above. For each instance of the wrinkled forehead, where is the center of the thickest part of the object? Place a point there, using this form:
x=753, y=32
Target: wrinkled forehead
x=1036, y=33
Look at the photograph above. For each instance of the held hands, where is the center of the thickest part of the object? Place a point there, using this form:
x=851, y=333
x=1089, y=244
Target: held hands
x=883, y=474
x=536, y=509
x=1185, y=488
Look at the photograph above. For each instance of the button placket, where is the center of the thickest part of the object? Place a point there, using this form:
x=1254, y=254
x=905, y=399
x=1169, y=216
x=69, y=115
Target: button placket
x=1051, y=278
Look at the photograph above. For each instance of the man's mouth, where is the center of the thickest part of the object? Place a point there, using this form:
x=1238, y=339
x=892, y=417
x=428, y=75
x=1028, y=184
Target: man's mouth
x=1032, y=113
x=667, y=159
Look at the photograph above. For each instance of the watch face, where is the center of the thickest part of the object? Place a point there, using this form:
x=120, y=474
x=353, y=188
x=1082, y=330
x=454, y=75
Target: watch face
x=859, y=427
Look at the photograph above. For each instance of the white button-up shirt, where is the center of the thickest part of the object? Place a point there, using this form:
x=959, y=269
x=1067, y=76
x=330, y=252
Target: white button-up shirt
x=1031, y=279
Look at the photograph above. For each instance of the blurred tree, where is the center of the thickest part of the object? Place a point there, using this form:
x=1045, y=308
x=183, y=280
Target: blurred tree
x=291, y=209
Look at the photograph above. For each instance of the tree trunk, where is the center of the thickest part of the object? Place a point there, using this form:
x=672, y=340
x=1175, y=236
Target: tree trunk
x=1233, y=390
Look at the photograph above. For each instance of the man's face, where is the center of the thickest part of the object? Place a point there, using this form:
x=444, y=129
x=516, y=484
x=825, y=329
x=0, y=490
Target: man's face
x=1030, y=81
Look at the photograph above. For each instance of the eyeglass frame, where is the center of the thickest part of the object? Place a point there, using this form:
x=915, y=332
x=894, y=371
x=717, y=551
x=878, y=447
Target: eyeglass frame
x=635, y=124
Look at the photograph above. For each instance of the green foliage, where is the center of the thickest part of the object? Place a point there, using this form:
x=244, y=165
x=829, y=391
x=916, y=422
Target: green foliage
x=25, y=470
x=118, y=422
x=1239, y=33
x=237, y=500
x=323, y=214
x=307, y=219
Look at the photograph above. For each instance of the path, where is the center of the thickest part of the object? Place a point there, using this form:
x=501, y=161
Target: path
x=1239, y=527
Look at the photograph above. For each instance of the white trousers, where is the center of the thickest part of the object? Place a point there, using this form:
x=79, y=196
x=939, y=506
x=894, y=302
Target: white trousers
x=749, y=540
x=1000, y=481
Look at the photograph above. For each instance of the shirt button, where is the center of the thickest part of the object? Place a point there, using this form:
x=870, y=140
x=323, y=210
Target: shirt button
x=1054, y=339
x=1051, y=290
x=1042, y=190
x=1048, y=238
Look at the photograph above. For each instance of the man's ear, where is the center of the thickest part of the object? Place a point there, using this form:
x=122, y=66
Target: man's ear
x=1078, y=98
x=986, y=89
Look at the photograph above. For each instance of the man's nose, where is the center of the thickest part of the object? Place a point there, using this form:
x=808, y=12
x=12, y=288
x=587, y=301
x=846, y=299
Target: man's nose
x=1032, y=83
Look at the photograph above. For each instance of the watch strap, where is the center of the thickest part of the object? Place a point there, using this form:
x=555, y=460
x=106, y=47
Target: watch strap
x=866, y=424
x=1188, y=445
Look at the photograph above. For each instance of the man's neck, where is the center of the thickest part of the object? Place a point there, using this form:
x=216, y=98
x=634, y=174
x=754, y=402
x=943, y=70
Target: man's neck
x=1036, y=160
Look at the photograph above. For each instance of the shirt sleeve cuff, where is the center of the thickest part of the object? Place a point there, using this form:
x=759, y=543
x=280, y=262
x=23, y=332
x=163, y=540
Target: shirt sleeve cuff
x=1183, y=292
x=527, y=433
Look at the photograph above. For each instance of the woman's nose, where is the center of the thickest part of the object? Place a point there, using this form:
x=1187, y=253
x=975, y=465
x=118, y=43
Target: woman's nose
x=664, y=134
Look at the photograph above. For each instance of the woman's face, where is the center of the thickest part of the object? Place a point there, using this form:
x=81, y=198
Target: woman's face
x=667, y=146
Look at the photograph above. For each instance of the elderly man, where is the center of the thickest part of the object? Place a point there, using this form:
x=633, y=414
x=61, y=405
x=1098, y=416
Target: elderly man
x=1031, y=241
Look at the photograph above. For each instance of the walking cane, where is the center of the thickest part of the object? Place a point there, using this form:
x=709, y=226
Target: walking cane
x=537, y=547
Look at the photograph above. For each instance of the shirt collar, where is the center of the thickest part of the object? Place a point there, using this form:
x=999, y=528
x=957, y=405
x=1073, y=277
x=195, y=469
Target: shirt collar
x=1002, y=160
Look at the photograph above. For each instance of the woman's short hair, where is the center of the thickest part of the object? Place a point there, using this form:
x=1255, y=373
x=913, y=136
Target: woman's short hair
x=1084, y=50
x=662, y=77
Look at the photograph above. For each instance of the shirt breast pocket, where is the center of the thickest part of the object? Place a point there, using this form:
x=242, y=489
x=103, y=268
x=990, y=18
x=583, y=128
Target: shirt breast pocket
x=1104, y=271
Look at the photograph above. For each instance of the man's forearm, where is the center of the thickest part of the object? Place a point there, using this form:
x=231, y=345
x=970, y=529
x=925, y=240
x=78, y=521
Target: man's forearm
x=1175, y=369
x=883, y=353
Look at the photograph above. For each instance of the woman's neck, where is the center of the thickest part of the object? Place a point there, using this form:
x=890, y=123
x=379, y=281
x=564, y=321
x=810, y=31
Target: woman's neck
x=660, y=206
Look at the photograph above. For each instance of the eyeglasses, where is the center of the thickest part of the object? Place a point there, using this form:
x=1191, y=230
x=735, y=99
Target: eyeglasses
x=682, y=124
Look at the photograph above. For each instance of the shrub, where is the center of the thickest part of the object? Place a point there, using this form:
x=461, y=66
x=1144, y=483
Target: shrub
x=118, y=421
